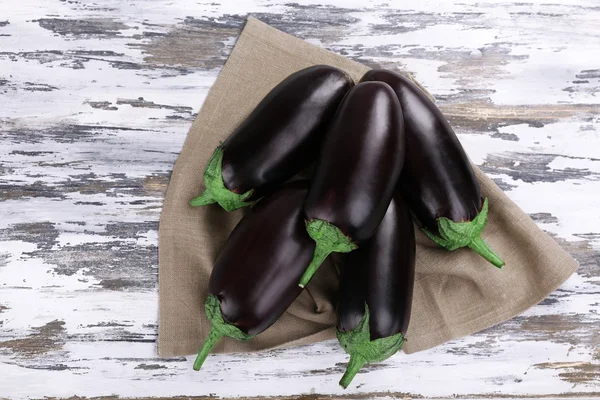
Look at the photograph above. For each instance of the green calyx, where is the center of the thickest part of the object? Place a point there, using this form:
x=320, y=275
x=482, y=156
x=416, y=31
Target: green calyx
x=329, y=239
x=362, y=349
x=218, y=329
x=215, y=191
x=454, y=235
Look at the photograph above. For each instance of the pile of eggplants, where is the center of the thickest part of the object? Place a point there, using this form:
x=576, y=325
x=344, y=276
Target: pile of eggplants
x=380, y=155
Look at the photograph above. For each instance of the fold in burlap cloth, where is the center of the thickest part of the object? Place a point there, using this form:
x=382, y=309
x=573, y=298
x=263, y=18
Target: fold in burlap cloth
x=456, y=293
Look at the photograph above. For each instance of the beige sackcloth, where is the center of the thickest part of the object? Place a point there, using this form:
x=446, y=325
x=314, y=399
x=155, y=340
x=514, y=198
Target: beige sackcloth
x=456, y=293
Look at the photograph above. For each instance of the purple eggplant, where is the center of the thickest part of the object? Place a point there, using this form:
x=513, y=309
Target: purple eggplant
x=281, y=137
x=438, y=181
x=375, y=294
x=357, y=171
x=255, y=277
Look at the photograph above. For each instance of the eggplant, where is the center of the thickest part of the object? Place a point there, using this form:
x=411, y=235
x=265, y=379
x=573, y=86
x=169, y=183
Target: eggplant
x=356, y=173
x=438, y=181
x=376, y=289
x=255, y=277
x=279, y=138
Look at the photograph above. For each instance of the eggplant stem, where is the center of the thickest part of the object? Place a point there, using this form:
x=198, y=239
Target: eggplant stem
x=328, y=238
x=362, y=349
x=204, y=199
x=354, y=365
x=218, y=328
x=482, y=248
x=215, y=191
x=321, y=253
x=454, y=235
x=213, y=337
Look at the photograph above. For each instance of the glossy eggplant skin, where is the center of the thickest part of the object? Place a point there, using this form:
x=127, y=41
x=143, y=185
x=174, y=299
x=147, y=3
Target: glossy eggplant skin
x=256, y=274
x=360, y=162
x=381, y=273
x=437, y=179
x=283, y=134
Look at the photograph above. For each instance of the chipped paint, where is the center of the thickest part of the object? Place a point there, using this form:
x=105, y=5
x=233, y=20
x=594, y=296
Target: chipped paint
x=530, y=168
x=140, y=102
x=44, y=339
x=194, y=43
x=85, y=28
x=544, y=218
x=151, y=366
x=576, y=373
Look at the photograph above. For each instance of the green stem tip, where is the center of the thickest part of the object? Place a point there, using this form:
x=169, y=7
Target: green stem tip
x=329, y=238
x=215, y=191
x=454, y=235
x=354, y=365
x=213, y=337
x=482, y=248
x=205, y=198
x=218, y=329
x=362, y=349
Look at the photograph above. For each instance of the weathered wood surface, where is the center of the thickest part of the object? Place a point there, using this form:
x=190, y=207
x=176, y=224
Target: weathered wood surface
x=96, y=99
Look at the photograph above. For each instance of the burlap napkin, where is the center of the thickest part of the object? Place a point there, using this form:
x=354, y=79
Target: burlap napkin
x=456, y=293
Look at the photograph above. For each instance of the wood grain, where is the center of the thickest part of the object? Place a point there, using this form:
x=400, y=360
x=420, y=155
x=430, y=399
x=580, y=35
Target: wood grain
x=97, y=97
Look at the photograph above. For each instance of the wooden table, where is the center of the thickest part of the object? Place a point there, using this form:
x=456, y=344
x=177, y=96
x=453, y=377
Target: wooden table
x=96, y=98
